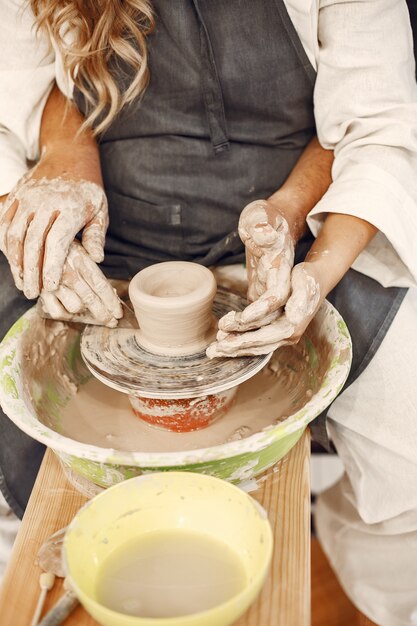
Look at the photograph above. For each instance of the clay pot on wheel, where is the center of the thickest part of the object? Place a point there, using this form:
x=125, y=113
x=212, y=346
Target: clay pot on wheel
x=172, y=303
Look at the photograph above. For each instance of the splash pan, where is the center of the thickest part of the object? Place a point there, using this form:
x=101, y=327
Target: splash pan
x=42, y=370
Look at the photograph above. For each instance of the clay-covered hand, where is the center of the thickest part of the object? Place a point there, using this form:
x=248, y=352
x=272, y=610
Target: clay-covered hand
x=269, y=259
x=303, y=303
x=38, y=222
x=84, y=293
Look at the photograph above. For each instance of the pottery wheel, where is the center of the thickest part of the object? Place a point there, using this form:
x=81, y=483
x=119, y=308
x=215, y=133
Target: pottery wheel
x=114, y=357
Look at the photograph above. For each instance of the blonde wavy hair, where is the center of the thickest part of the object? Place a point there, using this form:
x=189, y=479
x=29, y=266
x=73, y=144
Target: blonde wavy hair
x=94, y=36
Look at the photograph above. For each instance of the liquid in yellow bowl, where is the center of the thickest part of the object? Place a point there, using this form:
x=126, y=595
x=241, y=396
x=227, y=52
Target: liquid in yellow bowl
x=170, y=574
x=168, y=549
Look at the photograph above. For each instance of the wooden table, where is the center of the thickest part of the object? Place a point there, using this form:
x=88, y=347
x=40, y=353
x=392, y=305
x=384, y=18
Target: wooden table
x=284, y=492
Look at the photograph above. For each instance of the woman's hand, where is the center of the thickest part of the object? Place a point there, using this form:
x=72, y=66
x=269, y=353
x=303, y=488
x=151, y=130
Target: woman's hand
x=269, y=244
x=270, y=229
x=287, y=328
x=84, y=293
x=341, y=239
x=40, y=218
x=269, y=241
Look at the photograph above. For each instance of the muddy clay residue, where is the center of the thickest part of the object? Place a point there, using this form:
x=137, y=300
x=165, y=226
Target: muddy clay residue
x=51, y=366
x=103, y=417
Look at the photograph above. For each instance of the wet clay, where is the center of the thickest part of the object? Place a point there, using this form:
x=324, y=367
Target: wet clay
x=173, y=305
x=103, y=417
x=115, y=357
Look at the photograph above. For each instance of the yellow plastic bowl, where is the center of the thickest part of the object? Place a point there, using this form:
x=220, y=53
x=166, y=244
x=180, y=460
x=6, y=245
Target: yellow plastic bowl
x=165, y=502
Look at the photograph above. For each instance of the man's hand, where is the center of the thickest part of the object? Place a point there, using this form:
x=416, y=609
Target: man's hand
x=38, y=222
x=235, y=339
x=84, y=292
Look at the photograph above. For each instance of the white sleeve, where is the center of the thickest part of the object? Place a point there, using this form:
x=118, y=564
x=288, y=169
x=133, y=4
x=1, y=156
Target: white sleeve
x=366, y=110
x=27, y=72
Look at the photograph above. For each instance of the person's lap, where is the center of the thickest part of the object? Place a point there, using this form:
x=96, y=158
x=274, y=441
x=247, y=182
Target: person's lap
x=373, y=425
x=367, y=522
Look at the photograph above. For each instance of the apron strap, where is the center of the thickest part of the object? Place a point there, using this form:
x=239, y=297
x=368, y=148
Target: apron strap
x=212, y=91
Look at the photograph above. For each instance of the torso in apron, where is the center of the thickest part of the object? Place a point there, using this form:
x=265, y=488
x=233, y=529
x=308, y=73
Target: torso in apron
x=228, y=111
x=226, y=115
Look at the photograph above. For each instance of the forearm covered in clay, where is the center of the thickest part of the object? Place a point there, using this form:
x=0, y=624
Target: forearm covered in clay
x=341, y=240
x=285, y=299
x=270, y=229
x=62, y=195
x=50, y=204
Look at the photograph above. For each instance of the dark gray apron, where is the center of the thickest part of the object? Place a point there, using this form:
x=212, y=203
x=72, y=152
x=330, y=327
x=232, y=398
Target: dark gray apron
x=228, y=112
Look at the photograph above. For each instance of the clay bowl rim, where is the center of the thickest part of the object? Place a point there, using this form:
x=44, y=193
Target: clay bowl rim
x=14, y=405
x=204, y=290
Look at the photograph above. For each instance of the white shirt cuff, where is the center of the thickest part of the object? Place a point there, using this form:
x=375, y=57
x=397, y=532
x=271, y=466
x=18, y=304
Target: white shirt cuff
x=12, y=161
x=373, y=195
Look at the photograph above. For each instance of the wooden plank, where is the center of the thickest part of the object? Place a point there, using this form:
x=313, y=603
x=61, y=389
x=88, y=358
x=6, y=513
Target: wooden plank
x=52, y=505
x=284, y=492
x=285, y=597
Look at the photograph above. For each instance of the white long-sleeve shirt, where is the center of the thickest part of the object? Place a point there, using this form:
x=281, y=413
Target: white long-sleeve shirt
x=365, y=103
